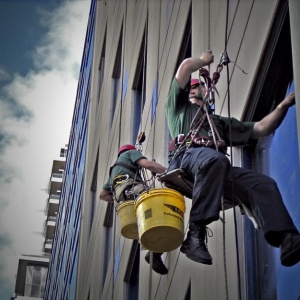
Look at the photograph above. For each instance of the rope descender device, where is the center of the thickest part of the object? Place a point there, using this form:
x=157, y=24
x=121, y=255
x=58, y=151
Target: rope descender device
x=141, y=138
x=210, y=83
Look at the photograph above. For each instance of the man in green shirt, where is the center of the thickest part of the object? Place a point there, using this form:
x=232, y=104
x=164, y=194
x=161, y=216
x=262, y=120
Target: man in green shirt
x=205, y=161
x=125, y=183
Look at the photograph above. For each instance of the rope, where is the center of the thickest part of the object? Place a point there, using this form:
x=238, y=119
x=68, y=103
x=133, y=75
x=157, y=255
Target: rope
x=114, y=256
x=223, y=209
x=144, y=67
x=208, y=20
x=122, y=75
x=142, y=136
x=226, y=61
x=150, y=276
x=119, y=138
x=105, y=82
x=158, y=88
x=240, y=45
x=157, y=80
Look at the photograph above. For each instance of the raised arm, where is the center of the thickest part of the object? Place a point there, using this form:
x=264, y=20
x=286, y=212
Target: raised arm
x=272, y=121
x=192, y=64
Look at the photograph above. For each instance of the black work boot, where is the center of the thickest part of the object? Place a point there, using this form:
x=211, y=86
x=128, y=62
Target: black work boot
x=290, y=249
x=157, y=264
x=194, y=246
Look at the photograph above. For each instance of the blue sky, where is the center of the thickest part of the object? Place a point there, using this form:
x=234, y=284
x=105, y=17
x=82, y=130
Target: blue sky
x=40, y=56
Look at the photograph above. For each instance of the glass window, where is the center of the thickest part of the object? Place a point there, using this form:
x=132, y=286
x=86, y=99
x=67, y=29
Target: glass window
x=154, y=101
x=116, y=76
x=36, y=275
x=35, y=281
x=139, y=87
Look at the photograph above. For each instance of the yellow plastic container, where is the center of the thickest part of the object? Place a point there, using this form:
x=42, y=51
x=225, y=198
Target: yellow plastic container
x=128, y=222
x=160, y=219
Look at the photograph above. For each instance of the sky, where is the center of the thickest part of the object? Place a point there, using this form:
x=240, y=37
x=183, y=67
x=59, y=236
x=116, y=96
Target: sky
x=40, y=56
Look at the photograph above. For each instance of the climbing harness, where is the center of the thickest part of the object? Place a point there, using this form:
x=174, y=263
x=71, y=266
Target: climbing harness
x=119, y=180
x=124, y=187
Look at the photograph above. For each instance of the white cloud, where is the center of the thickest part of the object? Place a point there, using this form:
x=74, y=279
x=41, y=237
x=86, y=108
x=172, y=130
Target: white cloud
x=4, y=75
x=35, y=122
x=63, y=38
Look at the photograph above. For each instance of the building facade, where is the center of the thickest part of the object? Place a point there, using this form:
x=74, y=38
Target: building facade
x=62, y=275
x=132, y=51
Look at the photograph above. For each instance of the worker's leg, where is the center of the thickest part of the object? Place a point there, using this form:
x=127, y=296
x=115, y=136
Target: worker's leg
x=260, y=193
x=209, y=169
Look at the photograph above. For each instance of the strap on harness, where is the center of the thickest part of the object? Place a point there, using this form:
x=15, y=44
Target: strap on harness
x=121, y=164
x=119, y=179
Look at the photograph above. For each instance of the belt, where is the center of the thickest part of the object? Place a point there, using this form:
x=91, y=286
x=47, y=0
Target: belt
x=197, y=141
x=174, y=143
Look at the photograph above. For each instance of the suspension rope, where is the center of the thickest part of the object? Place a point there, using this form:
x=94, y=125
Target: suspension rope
x=144, y=67
x=208, y=21
x=226, y=61
x=142, y=136
x=224, y=56
x=240, y=45
x=120, y=134
x=159, y=88
x=157, y=80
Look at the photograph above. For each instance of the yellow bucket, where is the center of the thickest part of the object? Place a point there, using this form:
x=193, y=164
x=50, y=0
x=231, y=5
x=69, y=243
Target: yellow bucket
x=127, y=219
x=160, y=219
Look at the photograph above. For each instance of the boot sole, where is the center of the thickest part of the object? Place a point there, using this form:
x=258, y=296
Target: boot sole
x=191, y=257
x=291, y=258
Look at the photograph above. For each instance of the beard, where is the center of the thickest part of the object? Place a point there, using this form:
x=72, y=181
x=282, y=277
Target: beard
x=199, y=96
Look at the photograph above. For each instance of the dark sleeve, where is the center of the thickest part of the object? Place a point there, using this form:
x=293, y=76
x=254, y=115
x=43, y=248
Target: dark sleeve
x=240, y=132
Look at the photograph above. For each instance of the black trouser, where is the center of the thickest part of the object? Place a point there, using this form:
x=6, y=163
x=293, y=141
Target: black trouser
x=212, y=180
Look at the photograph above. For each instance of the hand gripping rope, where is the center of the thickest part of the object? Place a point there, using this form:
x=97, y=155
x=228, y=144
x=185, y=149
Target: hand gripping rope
x=211, y=82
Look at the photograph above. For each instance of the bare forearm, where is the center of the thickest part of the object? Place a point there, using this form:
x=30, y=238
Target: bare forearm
x=192, y=64
x=157, y=168
x=151, y=166
x=106, y=196
x=272, y=121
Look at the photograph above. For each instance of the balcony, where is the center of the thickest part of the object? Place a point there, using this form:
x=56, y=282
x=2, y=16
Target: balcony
x=57, y=177
x=48, y=245
x=52, y=205
x=50, y=227
x=58, y=166
x=55, y=186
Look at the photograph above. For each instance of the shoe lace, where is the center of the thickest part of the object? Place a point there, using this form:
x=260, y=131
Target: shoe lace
x=204, y=233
